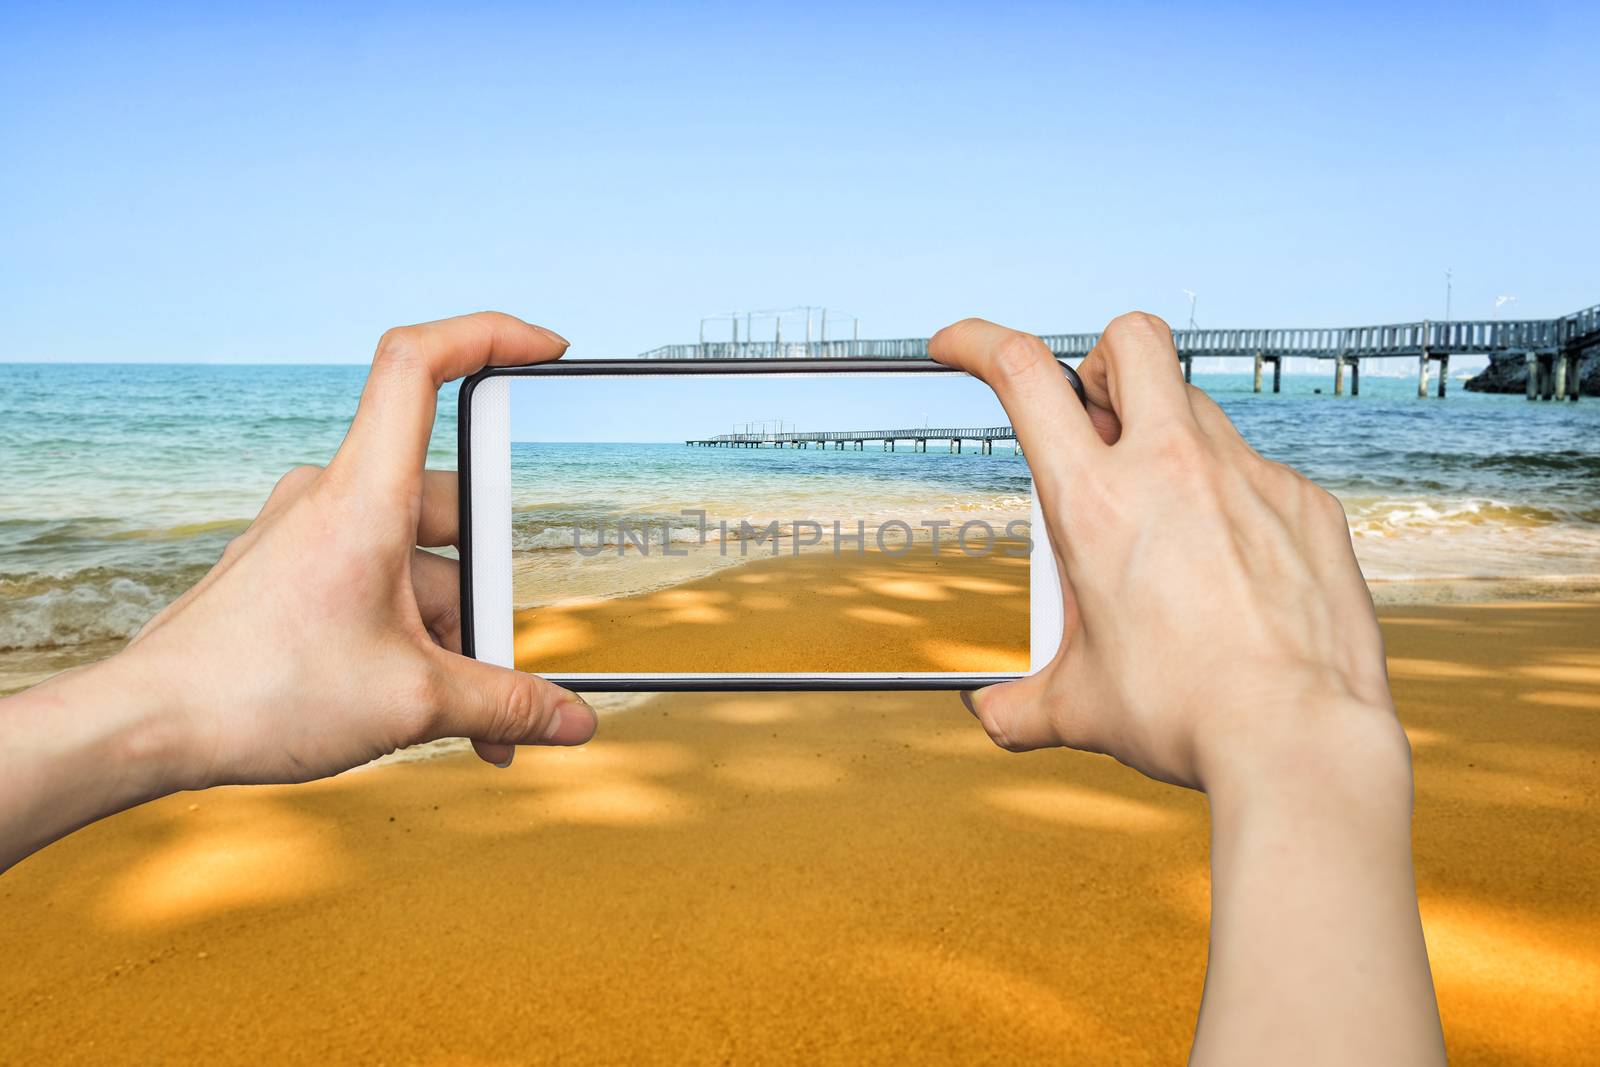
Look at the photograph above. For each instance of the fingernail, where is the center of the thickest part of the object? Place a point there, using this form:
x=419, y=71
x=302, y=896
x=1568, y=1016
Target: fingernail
x=552, y=334
x=967, y=699
x=511, y=756
x=572, y=723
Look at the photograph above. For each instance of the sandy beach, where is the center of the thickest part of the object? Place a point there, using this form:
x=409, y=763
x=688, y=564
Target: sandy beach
x=794, y=878
x=813, y=611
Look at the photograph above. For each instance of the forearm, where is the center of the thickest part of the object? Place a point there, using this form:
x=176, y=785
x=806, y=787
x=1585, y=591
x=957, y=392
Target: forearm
x=1317, y=953
x=81, y=746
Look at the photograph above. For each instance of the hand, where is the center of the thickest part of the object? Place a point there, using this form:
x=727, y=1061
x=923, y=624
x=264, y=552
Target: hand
x=1214, y=608
x=325, y=637
x=1218, y=635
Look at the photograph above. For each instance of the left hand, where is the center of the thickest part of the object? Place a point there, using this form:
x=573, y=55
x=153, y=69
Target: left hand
x=325, y=637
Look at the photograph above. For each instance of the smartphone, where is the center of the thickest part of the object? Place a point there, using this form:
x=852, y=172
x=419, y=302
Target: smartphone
x=728, y=524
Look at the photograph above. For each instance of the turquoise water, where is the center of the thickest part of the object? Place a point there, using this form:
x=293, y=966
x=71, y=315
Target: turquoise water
x=716, y=505
x=561, y=488
x=121, y=484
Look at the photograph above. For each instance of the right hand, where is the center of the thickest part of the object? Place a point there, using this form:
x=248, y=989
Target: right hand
x=1214, y=612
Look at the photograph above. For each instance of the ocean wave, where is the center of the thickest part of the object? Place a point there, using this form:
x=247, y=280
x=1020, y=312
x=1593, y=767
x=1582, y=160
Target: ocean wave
x=182, y=531
x=611, y=535
x=1020, y=505
x=1383, y=516
x=1565, y=460
x=78, y=612
x=1416, y=464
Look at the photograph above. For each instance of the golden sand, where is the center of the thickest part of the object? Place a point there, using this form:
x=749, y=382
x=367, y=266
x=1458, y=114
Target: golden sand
x=814, y=612
x=794, y=879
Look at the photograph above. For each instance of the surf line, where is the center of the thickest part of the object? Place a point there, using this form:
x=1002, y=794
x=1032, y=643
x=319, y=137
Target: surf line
x=893, y=537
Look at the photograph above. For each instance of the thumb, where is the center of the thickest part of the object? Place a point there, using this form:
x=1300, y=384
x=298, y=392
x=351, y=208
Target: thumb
x=1013, y=713
x=500, y=708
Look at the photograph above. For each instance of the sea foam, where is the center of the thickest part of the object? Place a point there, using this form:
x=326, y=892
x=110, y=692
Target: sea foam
x=77, y=614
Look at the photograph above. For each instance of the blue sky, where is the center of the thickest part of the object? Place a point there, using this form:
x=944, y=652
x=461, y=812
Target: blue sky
x=676, y=409
x=180, y=183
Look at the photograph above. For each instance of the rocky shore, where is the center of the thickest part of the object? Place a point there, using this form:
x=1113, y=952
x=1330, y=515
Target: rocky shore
x=1510, y=375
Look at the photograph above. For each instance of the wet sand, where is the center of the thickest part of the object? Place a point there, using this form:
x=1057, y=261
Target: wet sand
x=812, y=612
x=794, y=879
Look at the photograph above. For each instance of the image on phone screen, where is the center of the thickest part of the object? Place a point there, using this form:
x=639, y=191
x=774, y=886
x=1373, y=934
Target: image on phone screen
x=742, y=524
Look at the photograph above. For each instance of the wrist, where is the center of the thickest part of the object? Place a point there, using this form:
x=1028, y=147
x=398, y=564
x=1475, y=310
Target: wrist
x=145, y=725
x=85, y=744
x=1335, y=752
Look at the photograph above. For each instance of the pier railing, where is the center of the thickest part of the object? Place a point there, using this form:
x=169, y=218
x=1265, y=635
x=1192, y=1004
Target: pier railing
x=1582, y=327
x=1540, y=337
x=911, y=348
x=918, y=433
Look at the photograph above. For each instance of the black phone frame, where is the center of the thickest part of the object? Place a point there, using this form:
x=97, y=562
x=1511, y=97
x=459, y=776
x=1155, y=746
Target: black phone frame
x=592, y=368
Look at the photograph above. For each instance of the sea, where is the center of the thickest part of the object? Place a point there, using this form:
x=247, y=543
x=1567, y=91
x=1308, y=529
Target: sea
x=120, y=485
x=598, y=520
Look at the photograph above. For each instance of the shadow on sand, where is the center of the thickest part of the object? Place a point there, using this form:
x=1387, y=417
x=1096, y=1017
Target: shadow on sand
x=806, y=877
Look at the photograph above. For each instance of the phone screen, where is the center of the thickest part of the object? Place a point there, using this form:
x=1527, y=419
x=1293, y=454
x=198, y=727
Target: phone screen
x=744, y=524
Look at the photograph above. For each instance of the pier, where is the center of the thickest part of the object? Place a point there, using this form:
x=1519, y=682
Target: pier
x=917, y=437
x=1552, y=349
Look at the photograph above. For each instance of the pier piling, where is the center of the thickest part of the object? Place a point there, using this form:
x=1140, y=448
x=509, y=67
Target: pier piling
x=918, y=437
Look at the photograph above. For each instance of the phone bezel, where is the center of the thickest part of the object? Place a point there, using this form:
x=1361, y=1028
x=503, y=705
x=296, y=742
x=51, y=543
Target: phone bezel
x=720, y=683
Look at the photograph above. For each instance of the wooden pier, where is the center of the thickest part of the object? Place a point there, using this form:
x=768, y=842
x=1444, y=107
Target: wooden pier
x=1553, y=349
x=857, y=440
